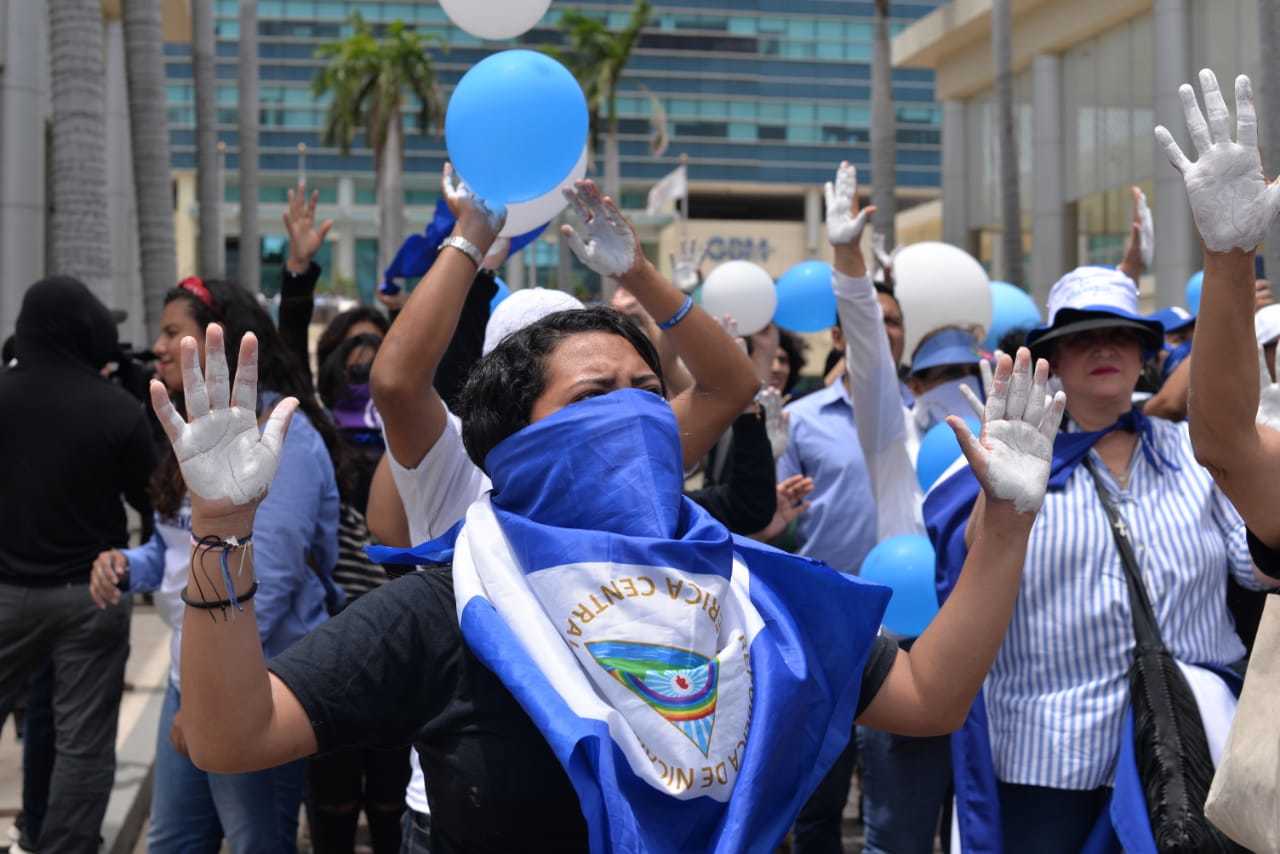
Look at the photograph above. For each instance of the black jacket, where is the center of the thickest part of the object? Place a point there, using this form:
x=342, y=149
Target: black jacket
x=744, y=497
x=71, y=442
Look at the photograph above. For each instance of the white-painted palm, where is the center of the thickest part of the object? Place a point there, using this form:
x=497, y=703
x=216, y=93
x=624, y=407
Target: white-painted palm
x=1013, y=456
x=226, y=462
x=1268, y=395
x=1231, y=201
x=684, y=267
x=458, y=197
x=844, y=222
x=1146, y=228
x=611, y=247
x=776, y=421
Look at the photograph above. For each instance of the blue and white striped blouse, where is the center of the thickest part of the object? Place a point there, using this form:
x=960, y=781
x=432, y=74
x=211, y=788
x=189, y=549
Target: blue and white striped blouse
x=1058, y=690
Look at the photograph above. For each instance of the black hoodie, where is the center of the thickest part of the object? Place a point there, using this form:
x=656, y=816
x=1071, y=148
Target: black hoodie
x=71, y=442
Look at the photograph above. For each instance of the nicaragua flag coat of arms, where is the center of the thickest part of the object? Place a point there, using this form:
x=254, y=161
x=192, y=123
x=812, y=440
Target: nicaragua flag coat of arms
x=696, y=687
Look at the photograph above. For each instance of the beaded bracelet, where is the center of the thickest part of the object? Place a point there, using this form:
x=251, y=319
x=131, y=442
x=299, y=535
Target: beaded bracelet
x=684, y=309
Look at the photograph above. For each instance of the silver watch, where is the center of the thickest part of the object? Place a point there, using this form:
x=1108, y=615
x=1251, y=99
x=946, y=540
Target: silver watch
x=466, y=247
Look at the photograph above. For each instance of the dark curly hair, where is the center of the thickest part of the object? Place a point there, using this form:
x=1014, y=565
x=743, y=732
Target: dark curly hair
x=498, y=398
x=795, y=347
x=279, y=371
x=336, y=332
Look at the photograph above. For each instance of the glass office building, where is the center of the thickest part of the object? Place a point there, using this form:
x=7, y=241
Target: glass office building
x=762, y=96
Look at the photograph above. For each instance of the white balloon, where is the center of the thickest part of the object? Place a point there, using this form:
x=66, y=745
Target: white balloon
x=526, y=216
x=743, y=291
x=495, y=19
x=939, y=285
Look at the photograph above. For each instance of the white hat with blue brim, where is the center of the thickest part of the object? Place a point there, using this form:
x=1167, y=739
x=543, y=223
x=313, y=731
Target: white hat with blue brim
x=1094, y=298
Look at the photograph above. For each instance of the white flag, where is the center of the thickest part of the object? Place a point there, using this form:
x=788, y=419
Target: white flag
x=671, y=188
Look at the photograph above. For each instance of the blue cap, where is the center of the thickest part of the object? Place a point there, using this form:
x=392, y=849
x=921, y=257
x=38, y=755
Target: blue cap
x=946, y=347
x=1173, y=319
x=1093, y=298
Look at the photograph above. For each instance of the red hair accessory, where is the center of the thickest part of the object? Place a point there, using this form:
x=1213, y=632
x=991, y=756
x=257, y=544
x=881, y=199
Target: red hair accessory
x=194, y=285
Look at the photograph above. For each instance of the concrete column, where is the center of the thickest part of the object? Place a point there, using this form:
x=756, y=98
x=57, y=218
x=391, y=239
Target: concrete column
x=1177, y=247
x=122, y=212
x=812, y=220
x=24, y=109
x=1050, y=229
x=344, y=256
x=955, y=182
x=515, y=271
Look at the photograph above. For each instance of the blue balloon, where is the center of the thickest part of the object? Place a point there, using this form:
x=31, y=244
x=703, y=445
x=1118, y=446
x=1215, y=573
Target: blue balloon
x=503, y=293
x=1194, y=284
x=806, y=302
x=1011, y=308
x=905, y=565
x=938, y=450
x=516, y=126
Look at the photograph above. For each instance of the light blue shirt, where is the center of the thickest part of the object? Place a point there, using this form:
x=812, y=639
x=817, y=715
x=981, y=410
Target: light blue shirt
x=840, y=526
x=295, y=544
x=1057, y=692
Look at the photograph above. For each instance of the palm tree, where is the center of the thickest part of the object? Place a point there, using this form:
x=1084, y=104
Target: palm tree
x=884, y=153
x=370, y=81
x=211, y=254
x=1010, y=205
x=1268, y=31
x=79, y=240
x=597, y=57
x=149, y=133
x=250, y=255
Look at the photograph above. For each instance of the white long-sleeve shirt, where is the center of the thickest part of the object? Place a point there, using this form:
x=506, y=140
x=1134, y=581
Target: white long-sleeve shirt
x=886, y=430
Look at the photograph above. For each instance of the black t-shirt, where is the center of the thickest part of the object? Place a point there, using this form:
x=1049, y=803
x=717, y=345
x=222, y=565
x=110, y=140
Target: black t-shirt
x=1265, y=558
x=393, y=669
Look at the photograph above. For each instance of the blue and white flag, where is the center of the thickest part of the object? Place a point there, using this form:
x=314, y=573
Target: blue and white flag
x=695, y=687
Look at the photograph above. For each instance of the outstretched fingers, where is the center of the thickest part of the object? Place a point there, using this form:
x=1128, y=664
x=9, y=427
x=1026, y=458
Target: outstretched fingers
x=1171, y=149
x=1020, y=387
x=998, y=398
x=193, y=390
x=245, y=394
x=575, y=243
x=278, y=425
x=1038, y=401
x=170, y=420
x=215, y=360
x=974, y=453
x=979, y=408
x=1052, y=420
x=1196, y=125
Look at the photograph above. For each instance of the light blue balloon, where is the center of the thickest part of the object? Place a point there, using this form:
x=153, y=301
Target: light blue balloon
x=806, y=302
x=905, y=565
x=938, y=450
x=503, y=293
x=1194, y=284
x=1011, y=308
x=516, y=126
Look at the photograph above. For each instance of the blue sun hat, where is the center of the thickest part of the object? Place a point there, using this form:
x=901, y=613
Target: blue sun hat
x=945, y=347
x=1093, y=298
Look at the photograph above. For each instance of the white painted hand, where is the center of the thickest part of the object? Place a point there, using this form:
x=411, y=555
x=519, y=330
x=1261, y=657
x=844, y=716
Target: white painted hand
x=226, y=463
x=454, y=190
x=611, y=247
x=478, y=220
x=1269, y=395
x=1232, y=203
x=684, y=267
x=776, y=421
x=1146, y=228
x=1019, y=422
x=844, y=221
x=883, y=258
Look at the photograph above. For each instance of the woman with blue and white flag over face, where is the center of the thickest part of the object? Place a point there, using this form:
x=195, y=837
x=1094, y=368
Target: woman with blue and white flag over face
x=596, y=663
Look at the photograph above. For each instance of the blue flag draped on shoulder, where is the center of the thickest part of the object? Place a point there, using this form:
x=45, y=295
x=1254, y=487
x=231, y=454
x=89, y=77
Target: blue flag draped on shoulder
x=695, y=687
x=1125, y=825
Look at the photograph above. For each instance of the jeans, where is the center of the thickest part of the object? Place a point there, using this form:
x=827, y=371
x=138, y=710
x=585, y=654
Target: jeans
x=1049, y=821
x=342, y=783
x=88, y=648
x=191, y=810
x=820, y=822
x=416, y=828
x=905, y=786
x=38, y=753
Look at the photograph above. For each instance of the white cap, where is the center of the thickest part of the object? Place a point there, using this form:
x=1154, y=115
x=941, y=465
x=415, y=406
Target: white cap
x=1266, y=325
x=1093, y=287
x=522, y=308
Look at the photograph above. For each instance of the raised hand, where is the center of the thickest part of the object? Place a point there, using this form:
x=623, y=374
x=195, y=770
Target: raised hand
x=684, y=267
x=305, y=237
x=776, y=420
x=845, y=221
x=1232, y=203
x=478, y=221
x=1146, y=228
x=454, y=190
x=611, y=247
x=1019, y=422
x=226, y=463
x=1269, y=396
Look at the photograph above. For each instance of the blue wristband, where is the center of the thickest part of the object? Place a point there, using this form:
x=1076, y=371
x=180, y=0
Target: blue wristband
x=684, y=309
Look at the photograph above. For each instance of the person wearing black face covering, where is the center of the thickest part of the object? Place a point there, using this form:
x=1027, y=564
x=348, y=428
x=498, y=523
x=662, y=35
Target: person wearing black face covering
x=71, y=444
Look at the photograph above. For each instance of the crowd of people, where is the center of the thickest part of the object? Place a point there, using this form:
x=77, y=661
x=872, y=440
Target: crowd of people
x=422, y=578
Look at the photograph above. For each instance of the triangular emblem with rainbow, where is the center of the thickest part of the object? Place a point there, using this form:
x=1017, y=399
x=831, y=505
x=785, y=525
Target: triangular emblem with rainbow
x=678, y=684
